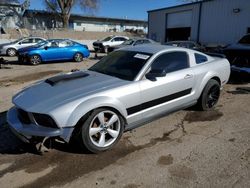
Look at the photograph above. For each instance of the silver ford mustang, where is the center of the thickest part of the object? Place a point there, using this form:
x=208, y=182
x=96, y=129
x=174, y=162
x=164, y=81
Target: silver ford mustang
x=124, y=90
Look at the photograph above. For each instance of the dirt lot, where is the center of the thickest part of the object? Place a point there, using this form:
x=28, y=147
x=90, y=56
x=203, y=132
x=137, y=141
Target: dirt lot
x=185, y=149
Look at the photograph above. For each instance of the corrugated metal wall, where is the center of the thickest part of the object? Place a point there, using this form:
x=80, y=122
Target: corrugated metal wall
x=218, y=25
x=158, y=21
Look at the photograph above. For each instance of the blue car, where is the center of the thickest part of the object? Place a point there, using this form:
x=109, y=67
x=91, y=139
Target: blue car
x=53, y=50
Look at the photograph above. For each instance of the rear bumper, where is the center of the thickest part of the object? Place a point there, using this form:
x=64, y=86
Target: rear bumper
x=26, y=131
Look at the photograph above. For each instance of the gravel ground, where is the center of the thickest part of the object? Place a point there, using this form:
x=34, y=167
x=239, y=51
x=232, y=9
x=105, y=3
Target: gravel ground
x=185, y=149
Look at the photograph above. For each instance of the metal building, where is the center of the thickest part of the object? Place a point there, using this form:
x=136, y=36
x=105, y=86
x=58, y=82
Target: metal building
x=211, y=22
x=40, y=19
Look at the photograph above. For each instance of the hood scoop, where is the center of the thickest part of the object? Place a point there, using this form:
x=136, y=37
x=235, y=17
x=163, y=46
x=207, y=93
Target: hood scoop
x=66, y=77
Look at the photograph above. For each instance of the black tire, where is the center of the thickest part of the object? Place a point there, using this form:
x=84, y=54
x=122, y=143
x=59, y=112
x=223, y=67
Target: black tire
x=78, y=57
x=35, y=60
x=210, y=96
x=11, y=52
x=93, y=142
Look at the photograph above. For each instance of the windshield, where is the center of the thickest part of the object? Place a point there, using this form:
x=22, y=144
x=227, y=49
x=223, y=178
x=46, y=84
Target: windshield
x=107, y=39
x=245, y=40
x=128, y=42
x=122, y=64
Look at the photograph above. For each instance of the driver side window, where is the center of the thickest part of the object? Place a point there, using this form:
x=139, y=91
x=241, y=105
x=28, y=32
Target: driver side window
x=172, y=61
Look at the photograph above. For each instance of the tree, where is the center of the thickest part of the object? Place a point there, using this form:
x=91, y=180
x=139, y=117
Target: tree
x=63, y=7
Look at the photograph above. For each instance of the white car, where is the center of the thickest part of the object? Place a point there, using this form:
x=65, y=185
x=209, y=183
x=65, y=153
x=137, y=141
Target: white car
x=11, y=48
x=104, y=44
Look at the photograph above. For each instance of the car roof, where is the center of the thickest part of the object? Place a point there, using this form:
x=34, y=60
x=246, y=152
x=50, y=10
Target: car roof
x=148, y=48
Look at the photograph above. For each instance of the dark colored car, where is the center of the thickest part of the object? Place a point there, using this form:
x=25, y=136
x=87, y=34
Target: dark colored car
x=131, y=42
x=239, y=57
x=53, y=50
x=187, y=44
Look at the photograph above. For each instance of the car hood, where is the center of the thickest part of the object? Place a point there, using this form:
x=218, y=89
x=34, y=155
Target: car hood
x=43, y=97
x=238, y=46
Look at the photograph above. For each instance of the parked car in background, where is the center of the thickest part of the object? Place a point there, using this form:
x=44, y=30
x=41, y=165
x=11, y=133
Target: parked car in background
x=11, y=48
x=187, y=44
x=122, y=91
x=53, y=50
x=131, y=42
x=104, y=44
x=239, y=56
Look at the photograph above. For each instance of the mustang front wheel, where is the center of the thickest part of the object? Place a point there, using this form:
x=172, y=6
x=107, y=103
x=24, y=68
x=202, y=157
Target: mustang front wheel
x=102, y=130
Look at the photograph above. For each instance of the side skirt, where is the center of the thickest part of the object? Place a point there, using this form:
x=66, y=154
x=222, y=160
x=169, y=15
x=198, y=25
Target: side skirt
x=142, y=122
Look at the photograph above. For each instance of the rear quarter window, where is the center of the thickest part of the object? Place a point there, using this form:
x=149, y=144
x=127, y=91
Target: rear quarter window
x=200, y=58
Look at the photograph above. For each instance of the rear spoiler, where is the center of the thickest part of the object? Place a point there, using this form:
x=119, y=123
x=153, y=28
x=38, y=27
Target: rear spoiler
x=215, y=54
x=65, y=77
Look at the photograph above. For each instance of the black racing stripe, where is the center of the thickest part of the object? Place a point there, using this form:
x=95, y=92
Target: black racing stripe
x=155, y=102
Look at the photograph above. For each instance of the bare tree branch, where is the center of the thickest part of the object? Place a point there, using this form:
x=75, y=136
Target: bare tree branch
x=64, y=7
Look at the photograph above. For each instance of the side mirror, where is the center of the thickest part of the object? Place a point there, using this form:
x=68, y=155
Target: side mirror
x=46, y=47
x=154, y=73
x=19, y=43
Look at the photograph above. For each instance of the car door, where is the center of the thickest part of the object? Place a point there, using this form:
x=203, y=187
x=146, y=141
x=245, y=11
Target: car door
x=25, y=43
x=66, y=49
x=117, y=41
x=51, y=51
x=170, y=92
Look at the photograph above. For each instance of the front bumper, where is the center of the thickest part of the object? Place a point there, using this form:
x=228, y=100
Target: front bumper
x=23, y=58
x=26, y=131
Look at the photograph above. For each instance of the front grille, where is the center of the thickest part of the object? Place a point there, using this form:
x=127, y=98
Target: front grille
x=44, y=120
x=23, y=116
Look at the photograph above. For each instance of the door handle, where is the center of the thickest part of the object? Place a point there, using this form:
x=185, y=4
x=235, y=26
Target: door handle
x=188, y=76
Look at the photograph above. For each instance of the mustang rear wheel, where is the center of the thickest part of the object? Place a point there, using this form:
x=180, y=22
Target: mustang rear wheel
x=35, y=60
x=102, y=130
x=78, y=57
x=209, y=96
x=11, y=52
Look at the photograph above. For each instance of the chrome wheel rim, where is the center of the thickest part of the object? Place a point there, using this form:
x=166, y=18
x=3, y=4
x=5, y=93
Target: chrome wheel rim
x=104, y=129
x=78, y=57
x=35, y=60
x=213, y=96
x=11, y=52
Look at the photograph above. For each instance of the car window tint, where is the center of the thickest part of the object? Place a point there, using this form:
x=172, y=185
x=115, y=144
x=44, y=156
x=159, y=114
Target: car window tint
x=65, y=43
x=52, y=44
x=171, y=62
x=37, y=40
x=27, y=41
x=122, y=64
x=200, y=58
x=138, y=42
x=146, y=41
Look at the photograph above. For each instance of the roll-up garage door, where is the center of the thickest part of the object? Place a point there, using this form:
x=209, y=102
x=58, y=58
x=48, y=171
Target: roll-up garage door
x=179, y=19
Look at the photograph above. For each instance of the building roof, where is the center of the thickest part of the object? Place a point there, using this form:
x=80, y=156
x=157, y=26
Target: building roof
x=182, y=5
x=77, y=17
